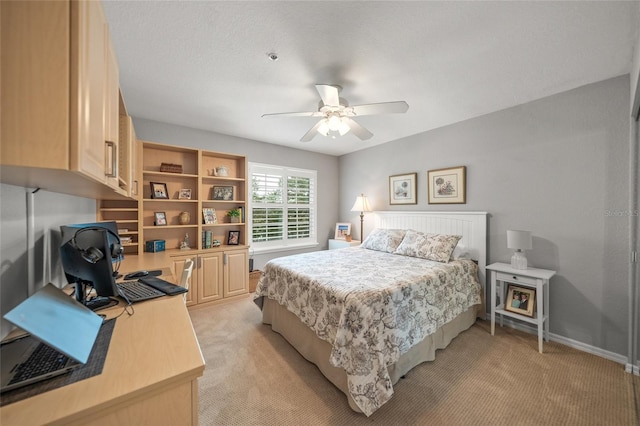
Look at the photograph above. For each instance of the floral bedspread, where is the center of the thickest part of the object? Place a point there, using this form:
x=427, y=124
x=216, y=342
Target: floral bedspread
x=370, y=306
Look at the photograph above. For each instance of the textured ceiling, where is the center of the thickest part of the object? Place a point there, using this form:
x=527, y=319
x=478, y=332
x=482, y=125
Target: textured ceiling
x=204, y=64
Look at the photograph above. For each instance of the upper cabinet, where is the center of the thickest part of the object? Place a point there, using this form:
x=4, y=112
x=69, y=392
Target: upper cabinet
x=60, y=99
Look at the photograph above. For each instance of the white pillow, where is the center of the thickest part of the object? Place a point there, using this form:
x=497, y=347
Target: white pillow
x=386, y=240
x=460, y=252
x=436, y=247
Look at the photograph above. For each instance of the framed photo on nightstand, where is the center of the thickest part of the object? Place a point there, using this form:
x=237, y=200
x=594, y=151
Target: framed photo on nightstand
x=520, y=300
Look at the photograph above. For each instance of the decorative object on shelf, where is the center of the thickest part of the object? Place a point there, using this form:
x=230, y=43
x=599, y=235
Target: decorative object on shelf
x=215, y=243
x=403, y=189
x=209, y=216
x=159, y=190
x=347, y=238
x=519, y=240
x=361, y=205
x=171, y=168
x=222, y=171
x=160, y=219
x=447, y=186
x=234, y=215
x=185, y=218
x=520, y=300
x=342, y=230
x=224, y=193
x=234, y=238
x=184, y=194
x=154, y=246
x=186, y=243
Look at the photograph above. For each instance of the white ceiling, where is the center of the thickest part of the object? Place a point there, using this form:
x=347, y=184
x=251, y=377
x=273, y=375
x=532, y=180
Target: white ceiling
x=204, y=64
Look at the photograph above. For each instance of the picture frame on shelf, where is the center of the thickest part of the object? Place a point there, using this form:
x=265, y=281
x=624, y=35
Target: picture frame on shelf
x=447, y=186
x=160, y=219
x=222, y=193
x=342, y=230
x=520, y=300
x=209, y=216
x=233, y=238
x=403, y=189
x=159, y=190
x=184, y=194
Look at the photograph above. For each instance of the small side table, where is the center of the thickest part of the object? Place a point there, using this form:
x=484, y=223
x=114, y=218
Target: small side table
x=532, y=278
x=336, y=244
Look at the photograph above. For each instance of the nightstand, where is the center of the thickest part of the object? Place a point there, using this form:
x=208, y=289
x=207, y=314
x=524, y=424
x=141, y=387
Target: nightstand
x=538, y=279
x=336, y=244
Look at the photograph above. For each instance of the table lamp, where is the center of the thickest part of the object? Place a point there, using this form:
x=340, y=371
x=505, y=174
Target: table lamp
x=519, y=240
x=361, y=205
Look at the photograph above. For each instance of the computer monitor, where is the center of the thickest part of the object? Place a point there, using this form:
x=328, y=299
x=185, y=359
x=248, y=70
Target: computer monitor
x=88, y=253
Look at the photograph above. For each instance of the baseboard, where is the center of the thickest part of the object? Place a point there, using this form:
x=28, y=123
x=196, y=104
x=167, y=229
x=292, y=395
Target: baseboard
x=620, y=359
x=632, y=369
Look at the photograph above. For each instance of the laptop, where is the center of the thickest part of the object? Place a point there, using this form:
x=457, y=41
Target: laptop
x=61, y=329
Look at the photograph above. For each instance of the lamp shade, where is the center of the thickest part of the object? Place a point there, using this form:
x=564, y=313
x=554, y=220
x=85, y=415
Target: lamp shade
x=361, y=204
x=519, y=240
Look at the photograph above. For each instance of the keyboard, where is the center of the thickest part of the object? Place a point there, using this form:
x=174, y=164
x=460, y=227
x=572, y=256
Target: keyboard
x=44, y=359
x=135, y=291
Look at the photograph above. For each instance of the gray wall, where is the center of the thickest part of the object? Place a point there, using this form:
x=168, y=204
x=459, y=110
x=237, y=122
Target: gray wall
x=259, y=152
x=558, y=167
x=50, y=210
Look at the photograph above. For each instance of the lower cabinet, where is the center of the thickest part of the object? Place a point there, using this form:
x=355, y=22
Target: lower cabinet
x=215, y=276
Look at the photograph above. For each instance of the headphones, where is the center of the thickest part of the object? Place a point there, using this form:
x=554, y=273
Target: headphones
x=92, y=254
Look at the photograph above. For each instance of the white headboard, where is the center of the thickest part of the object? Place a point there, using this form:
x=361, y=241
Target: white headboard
x=471, y=225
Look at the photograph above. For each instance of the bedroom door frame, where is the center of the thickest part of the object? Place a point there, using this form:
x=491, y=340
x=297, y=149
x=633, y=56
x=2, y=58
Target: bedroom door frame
x=633, y=365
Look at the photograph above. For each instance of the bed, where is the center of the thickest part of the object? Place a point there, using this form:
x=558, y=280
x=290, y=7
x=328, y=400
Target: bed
x=366, y=315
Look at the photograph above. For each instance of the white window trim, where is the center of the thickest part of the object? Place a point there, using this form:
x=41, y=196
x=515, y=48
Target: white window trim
x=283, y=245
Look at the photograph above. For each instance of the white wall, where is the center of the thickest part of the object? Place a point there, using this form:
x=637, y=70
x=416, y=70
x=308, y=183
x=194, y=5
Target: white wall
x=50, y=210
x=558, y=167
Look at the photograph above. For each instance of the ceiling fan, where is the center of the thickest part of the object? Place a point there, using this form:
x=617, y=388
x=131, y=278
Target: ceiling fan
x=337, y=114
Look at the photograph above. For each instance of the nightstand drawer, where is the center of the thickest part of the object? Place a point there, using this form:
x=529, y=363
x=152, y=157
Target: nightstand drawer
x=512, y=278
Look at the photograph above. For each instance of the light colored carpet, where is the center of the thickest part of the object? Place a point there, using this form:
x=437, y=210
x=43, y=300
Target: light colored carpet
x=254, y=377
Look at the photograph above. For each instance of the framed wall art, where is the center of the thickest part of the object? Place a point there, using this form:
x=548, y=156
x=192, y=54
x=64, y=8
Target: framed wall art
x=209, y=216
x=159, y=190
x=447, y=186
x=402, y=189
x=520, y=300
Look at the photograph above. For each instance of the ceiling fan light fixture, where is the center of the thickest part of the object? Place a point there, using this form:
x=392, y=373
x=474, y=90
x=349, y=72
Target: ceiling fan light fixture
x=344, y=128
x=334, y=122
x=323, y=129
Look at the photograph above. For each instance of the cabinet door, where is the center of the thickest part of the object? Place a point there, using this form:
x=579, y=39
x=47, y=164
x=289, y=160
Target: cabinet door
x=236, y=273
x=111, y=114
x=178, y=266
x=88, y=70
x=210, y=275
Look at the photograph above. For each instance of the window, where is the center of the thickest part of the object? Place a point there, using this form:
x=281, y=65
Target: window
x=282, y=207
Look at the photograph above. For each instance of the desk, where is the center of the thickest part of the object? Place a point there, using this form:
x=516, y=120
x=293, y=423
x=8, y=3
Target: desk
x=150, y=375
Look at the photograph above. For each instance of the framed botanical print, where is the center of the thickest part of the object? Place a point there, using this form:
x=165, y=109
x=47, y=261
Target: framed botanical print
x=447, y=186
x=402, y=189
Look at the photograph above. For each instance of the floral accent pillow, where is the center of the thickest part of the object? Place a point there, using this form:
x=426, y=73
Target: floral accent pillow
x=386, y=240
x=436, y=247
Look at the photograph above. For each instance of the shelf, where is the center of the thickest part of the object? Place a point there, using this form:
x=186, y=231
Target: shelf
x=108, y=209
x=127, y=232
x=168, y=200
x=223, y=178
x=224, y=201
x=156, y=173
x=213, y=225
x=500, y=310
x=169, y=226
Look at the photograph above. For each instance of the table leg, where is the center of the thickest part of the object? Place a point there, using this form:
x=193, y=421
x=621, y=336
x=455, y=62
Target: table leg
x=539, y=314
x=546, y=310
x=493, y=303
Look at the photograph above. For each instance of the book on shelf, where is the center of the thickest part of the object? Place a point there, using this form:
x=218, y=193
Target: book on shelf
x=242, y=218
x=122, y=230
x=207, y=238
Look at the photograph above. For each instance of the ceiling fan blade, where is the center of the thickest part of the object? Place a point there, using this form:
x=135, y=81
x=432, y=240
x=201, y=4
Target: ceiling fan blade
x=329, y=94
x=357, y=129
x=311, y=133
x=294, y=114
x=381, y=108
